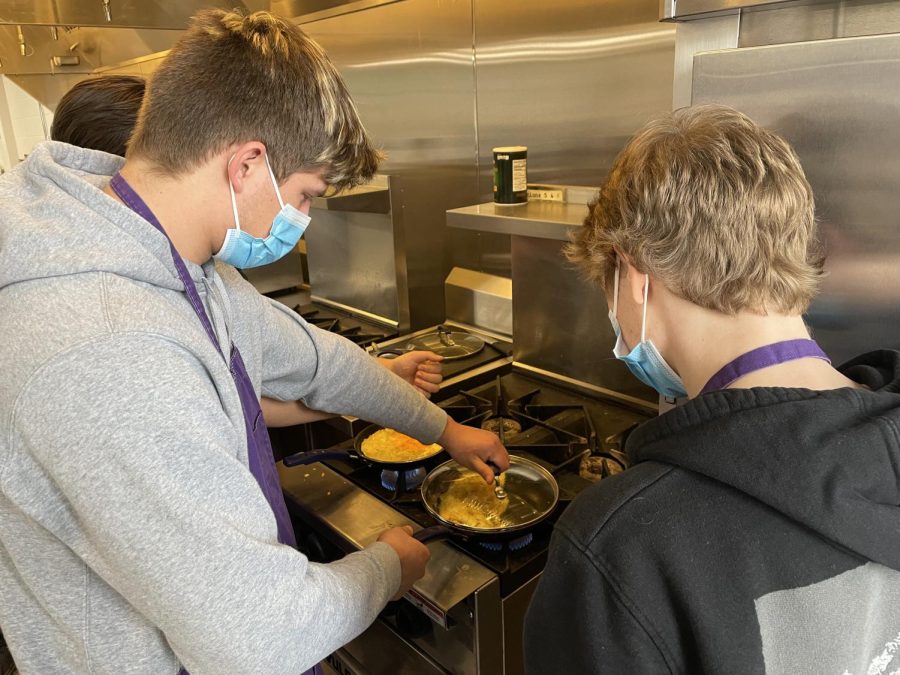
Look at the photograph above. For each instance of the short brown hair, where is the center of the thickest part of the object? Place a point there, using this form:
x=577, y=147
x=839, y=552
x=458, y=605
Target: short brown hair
x=713, y=205
x=232, y=79
x=99, y=113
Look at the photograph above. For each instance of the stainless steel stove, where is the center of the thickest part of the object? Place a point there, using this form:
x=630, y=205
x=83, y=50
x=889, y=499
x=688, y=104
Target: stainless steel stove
x=363, y=332
x=494, y=359
x=466, y=614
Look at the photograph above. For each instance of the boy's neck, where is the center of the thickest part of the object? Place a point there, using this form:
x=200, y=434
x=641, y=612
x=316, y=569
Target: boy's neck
x=710, y=340
x=195, y=222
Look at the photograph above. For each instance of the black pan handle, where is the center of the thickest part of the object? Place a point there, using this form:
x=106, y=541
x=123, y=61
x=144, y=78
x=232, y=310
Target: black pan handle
x=494, y=467
x=317, y=456
x=433, y=533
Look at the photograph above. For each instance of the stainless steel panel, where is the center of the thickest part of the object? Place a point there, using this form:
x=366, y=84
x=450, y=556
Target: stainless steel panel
x=548, y=220
x=560, y=321
x=819, y=21
x=571, y=80
x=313, y=10
x=96, y=48
x=462, y=591
x=719, y=32
x=121, y=13
x=379, y=651
x=364, y=199
x=489, y=634
x=680, y=10
x=351, y=261
x=479, y=299
x=837, y=102
x=451, y=576
x=409, y=67
x=514, y=608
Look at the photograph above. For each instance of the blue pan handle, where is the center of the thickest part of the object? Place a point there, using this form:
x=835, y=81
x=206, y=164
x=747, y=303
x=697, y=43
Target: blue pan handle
x=433, y=533
x=317, y=456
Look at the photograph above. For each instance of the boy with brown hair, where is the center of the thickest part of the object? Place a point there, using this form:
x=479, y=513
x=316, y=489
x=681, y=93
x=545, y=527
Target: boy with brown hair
x=142, y=526
x=99, y=113
x=757, y=530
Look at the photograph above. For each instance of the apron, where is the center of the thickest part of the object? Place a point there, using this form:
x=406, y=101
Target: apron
x=259, y=449
x=763, y=357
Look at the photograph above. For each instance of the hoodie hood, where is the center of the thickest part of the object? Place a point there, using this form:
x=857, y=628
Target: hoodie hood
x=829, y=460
x=55, y=221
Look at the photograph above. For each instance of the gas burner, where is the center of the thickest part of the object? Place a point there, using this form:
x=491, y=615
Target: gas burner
x=410, y=479
x=553, y=434
x=504, y=427
x=595, y=467
x=516, y=544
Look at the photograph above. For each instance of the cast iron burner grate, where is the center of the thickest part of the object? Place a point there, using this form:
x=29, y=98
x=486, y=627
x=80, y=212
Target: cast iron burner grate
x=361, y=335
x=553, y=434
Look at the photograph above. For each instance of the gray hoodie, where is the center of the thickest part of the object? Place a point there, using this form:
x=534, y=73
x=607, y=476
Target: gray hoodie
x=133, y=537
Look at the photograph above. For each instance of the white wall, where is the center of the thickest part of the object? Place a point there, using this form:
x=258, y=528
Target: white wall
x=24, y=122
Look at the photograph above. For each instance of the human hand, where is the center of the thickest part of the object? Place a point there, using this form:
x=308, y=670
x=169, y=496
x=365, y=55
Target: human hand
x=473, y=448
x=421, y=369
x=413, y=554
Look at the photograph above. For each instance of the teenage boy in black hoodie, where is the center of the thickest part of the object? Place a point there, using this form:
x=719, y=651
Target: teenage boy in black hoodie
x=759, y=528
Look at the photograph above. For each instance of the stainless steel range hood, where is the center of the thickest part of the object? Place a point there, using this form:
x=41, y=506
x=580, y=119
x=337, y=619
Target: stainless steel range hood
x=157, y=14
x=115, y=13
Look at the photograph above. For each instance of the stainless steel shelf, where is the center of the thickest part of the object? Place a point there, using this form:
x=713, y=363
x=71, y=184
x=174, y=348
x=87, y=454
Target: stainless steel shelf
x=543, y=219
x=685, y=10
x=362, y=199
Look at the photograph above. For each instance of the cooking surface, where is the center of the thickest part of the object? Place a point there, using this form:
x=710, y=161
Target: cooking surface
x=495, y=350
x=584, y=425
x=358, y=330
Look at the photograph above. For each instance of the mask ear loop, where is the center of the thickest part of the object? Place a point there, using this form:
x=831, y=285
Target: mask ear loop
x=274, y=182
x=644, y=317
x=237, y=221
x=616, y=291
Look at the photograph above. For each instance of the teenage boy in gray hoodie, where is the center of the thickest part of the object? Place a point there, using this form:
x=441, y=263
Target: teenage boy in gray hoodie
x=141, y=525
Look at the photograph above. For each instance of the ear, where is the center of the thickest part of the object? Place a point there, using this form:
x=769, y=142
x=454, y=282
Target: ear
x=244, y=161
x=631, y=281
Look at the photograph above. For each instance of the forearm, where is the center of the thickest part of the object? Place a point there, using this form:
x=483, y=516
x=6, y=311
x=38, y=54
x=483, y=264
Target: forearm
x=288, y=413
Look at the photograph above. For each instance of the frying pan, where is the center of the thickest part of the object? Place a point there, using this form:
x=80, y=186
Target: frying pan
x=356, y=453
x=531, y=490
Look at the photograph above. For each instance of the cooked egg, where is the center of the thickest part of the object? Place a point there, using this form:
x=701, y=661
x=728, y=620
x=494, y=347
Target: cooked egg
x=471, y=502
x=388, y=445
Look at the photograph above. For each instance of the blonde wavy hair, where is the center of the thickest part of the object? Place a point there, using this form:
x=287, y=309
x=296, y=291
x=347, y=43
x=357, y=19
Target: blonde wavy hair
x=715, y=207
x=232, y=79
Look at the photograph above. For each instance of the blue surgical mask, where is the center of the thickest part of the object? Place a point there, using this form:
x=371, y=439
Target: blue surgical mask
x=644, y=361
x=244, y=250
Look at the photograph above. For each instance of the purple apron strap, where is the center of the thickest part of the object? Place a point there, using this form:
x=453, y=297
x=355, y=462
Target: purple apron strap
x=763, y=357
x=315, y=670
x=259, y=448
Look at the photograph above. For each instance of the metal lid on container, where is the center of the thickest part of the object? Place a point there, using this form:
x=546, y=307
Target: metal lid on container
x=449, y=344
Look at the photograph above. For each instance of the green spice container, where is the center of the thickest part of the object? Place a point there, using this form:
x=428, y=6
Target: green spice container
x=511, y=175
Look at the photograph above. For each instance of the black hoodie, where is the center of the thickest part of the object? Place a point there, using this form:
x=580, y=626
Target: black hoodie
x=758, y=531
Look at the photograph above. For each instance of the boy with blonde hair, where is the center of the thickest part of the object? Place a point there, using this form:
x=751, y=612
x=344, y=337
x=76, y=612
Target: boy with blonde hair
x=142, y=525
x=757, y=530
